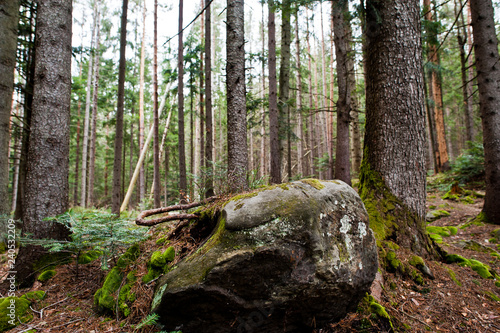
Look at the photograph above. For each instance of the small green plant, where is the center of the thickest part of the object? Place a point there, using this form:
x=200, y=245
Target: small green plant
x=470, y=164
x=96, y=232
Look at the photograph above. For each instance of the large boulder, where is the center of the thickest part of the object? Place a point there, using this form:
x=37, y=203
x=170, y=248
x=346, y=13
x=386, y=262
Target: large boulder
x=287, y=258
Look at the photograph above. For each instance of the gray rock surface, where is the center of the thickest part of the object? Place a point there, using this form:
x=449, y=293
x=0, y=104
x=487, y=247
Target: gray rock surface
x=287, y=258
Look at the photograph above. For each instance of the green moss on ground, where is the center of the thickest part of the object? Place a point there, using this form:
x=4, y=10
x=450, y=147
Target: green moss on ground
x=16, y=310
x=453, y=277
x=477, y=266
x=479, y=220
x=46, y=275
x=492, y=296
x=89, y=256
x=393, y=264
x=436, y=238
x=105, y=298
x=376, y=309
x=126, y=296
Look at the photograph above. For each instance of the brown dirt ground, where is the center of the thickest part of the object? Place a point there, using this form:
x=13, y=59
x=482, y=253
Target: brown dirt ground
x=440, y=305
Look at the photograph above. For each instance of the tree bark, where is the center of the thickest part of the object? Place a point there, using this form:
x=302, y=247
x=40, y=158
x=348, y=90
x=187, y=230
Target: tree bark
x=236, y=97
x=86, y=122
x=142, y=183
x=116, y=193
x=181, y=145
x=273, y=100
x=300, y=124
x=93, y=138
x=9, y=18
x=392, y=180
x=156, y=143
x=486, y=54
x=284, y=81
x=209, y=180
x=436, y=93
x=47, y=188
x=340, y=26
x=325, y=114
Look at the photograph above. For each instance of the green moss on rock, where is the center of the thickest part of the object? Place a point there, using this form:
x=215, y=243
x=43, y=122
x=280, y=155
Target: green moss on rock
x=157, y=265
x=314, y=183
x=14, y=311
x=441, y=231
x=416, y=261
x=126, y=296
x=103, y=298
x=436, y=238
x=46, y=275
x=492, y=296
x=393, y=264
x=129, y=257
x=481, y=269
x=89, y=256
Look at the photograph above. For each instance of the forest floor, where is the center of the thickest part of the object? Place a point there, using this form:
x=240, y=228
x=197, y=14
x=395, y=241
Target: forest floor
x=457, y=300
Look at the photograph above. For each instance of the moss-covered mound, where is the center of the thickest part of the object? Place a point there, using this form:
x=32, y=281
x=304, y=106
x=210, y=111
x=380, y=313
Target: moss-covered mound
x=105, y=299
x=16, y=310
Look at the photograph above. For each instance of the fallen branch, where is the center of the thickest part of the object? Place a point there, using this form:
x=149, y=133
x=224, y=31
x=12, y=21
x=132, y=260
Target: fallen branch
x=142, y=221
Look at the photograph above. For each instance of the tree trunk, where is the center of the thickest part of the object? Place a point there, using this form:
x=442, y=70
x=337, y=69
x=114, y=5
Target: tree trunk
x=237, y=161
x=284, y=79
x=300, y=124
x=116, y=194
x=262, y=159
x=93, y=138
x=8, y=35
x=342, y=161
x=156, y=143
x=17, y=159
x=48, y=155
x=182, y=149
x=310, y=125
x=86, y=123
x=436, y=93
x=325, y=114
x=142, y=183
x=273, y=100
x=392, y=180
x=462, y=37
x=28, y=103
x=357, y=150
x=486, y=54
x=209, y=181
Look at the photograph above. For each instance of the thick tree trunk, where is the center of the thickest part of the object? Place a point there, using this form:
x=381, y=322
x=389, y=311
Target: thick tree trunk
x=117, y=179
x=342, y=161
x=181, y=144
x=93, y=137
x=47, y=188
x=392, y=180
x=488, y=72
x=236, y=98
x=208, y=158
x=274, y=145
x=8, y=45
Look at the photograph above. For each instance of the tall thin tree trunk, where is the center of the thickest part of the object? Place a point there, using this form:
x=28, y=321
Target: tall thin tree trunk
x=462, y=37
x=342, y=162
x=300, y=123
x=262, y=158
x=326, y=115
x=17, y=160
x=86, y=123
x=116, y=195
x=284, y=79
x=93, y=138
x=200, y=126
x=156, y=175
x=442, y=158
x=209, y=181
x=142, y=183
x=273, y=100
x=237, y=154
x=182, y=150
x=310, y=125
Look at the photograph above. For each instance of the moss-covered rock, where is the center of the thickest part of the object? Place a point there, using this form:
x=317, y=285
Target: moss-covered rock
x=46, y=275
x=436, y=214
x=158, y=264
x=294, y=254
x=126, y=296
x=16, y=310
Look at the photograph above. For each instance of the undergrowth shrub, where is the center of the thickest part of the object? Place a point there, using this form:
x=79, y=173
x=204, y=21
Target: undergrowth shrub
x=470, y=164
